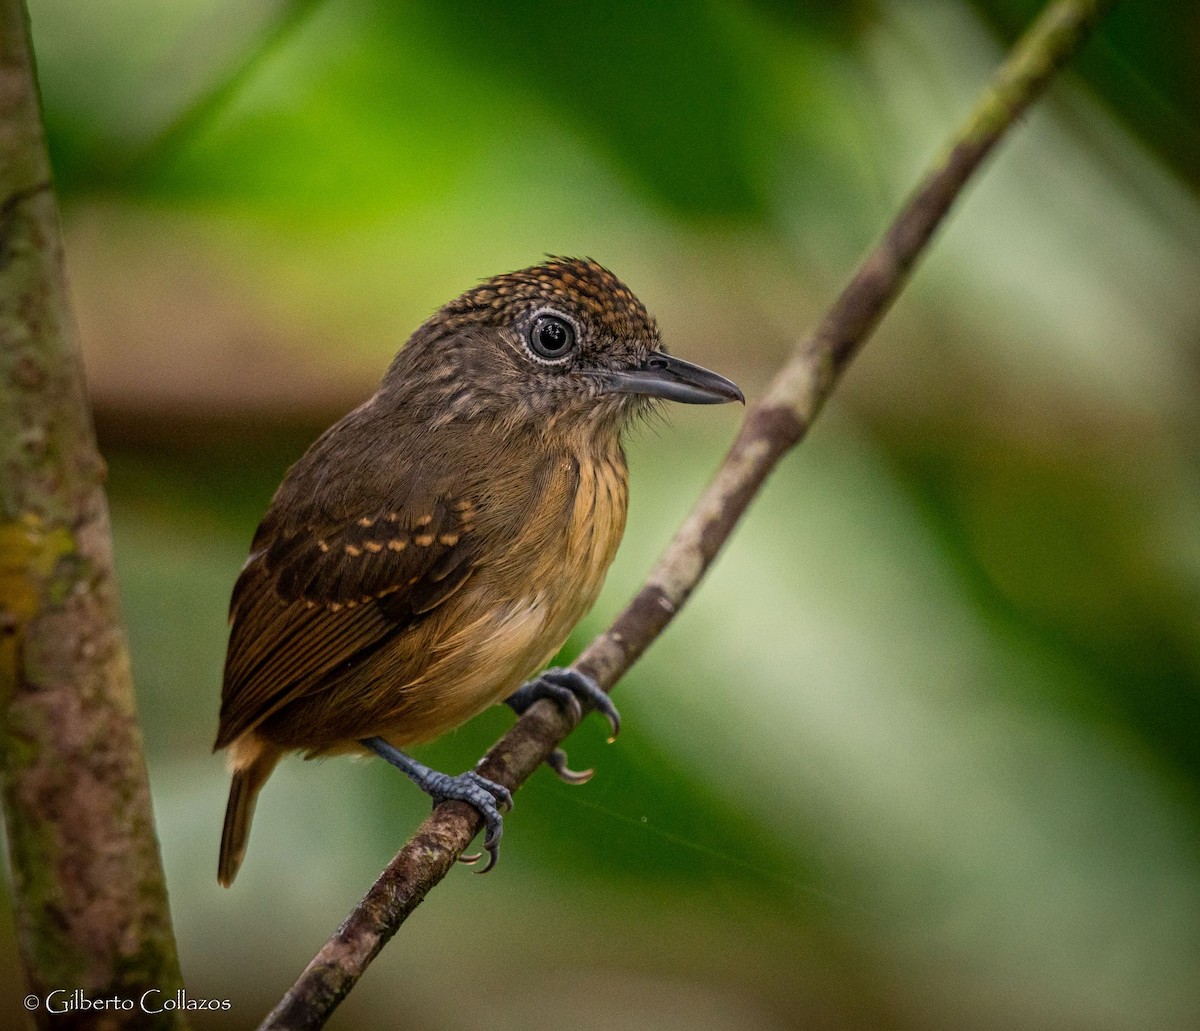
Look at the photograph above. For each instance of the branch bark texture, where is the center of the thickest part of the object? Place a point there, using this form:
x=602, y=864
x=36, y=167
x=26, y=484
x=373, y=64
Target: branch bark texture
x=776, y=423
x=87, y=883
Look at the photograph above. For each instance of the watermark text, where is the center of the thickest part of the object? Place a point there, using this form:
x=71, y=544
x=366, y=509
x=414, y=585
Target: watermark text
x=153, y=1000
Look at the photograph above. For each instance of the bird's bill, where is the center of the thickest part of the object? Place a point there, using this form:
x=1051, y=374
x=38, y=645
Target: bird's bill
x=664, y=375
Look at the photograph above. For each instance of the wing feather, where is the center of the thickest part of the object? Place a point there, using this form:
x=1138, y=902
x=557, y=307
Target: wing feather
x=317, y=597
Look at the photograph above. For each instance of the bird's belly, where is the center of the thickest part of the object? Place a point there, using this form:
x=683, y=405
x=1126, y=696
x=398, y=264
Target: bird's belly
x=481, y=661
x=487, y=650
x=506, y=622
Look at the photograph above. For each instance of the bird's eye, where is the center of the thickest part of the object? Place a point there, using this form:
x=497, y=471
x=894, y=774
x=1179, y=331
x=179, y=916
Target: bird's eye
x=551, y=337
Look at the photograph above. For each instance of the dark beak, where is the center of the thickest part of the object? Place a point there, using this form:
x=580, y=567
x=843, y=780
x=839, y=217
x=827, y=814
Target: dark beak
x=664, y=375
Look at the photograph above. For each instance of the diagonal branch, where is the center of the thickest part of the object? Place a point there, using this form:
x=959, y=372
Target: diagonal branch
x=772, y=426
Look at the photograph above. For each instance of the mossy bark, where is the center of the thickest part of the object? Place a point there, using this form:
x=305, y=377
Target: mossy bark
x=87, y=883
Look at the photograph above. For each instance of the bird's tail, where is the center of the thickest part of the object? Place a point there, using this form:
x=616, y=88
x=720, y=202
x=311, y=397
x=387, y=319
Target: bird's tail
x=243, y=793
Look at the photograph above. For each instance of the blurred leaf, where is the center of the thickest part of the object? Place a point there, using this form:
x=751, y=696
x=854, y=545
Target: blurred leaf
x=1055, y=542
x=661, y=85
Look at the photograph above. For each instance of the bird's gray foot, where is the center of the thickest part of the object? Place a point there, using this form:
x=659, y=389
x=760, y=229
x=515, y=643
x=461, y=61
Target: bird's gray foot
x=574, y=693
x=485, y=795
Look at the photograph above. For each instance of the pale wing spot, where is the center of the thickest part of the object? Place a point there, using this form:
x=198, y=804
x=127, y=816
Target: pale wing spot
x=353, y=550
x=449, y=539
x=374, y=547
x=425, y=520
x=398, y=544
x=253, y=557
x=424, y=540
x=323, y=545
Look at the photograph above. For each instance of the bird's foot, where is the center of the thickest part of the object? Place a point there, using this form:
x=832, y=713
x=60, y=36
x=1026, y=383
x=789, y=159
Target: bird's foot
x=574, y=693
x=485, y=795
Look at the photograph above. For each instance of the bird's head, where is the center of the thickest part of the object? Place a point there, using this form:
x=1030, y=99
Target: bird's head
x=559, y=343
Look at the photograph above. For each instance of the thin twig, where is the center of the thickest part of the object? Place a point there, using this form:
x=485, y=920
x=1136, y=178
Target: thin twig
x=772, y=426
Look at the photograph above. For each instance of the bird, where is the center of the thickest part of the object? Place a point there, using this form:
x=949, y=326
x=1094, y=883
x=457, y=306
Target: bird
x=435, y=547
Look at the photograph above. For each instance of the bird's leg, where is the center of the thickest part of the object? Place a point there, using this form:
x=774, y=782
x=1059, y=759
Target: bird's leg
x=485, y=795
x=572, y=692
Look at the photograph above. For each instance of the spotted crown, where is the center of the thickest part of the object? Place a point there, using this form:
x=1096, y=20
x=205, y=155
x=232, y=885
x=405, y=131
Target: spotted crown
x=579, y=285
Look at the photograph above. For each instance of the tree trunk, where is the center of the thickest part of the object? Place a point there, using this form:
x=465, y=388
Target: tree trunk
x=87, y=882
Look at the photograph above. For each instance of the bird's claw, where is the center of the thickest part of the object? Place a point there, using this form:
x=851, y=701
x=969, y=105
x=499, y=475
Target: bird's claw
x=487, y=797
x=571, y=691
x=558, y=763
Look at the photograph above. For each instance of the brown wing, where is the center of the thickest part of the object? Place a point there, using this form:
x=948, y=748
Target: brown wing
x=323, y=595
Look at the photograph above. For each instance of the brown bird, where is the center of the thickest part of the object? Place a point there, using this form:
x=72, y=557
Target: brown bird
x=436, y=546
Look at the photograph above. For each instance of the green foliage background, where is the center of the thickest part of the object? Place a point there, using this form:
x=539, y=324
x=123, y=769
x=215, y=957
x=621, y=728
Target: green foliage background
x=925, y=750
